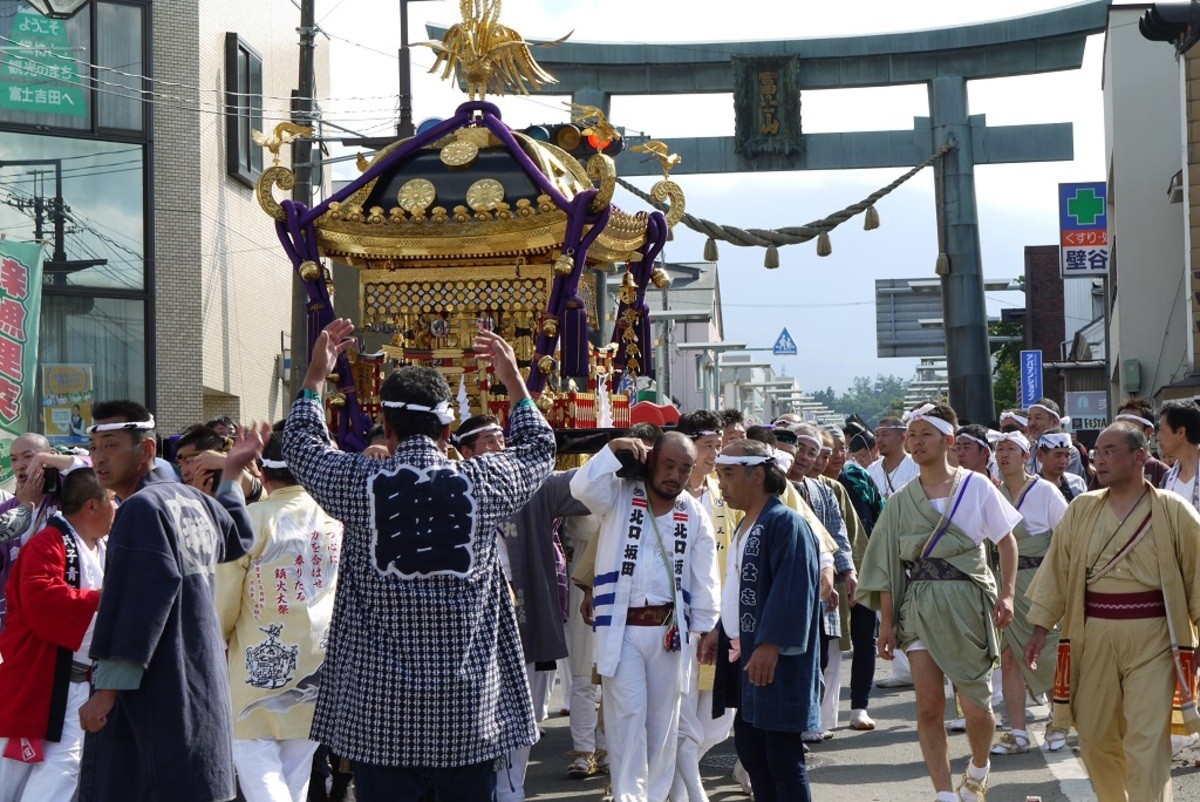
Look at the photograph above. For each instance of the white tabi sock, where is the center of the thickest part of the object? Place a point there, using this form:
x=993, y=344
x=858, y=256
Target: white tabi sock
x=978, y=772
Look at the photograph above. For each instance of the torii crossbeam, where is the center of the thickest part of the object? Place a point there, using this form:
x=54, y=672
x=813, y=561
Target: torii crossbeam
x=944, y=59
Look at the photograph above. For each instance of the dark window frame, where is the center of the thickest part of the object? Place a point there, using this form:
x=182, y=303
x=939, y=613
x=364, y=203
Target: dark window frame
x=243, y=110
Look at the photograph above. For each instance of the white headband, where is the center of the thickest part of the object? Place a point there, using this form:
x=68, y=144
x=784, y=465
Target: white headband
x=482, y=429
x=140, y=425
x=706, y=433
x=1046, y=409
x=443, y=412
x=1137, y=418
x=784, y=460
x=921, y=413
x=814, y=440
x=973, y=439
x=1014, y=437
x=273, y=464
x=747, y=460
x=1023, y=422
x=1054, y=440
x=826, y=450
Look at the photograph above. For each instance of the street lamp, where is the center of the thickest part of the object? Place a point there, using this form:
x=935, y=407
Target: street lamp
x=58, y=9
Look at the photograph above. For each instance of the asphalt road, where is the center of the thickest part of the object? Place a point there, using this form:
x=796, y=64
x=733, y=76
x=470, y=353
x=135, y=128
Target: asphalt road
x=884, y=765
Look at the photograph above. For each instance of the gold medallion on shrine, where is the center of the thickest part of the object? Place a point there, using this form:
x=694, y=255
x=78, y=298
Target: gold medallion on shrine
x=459, y=153
x=416, y=195
x=485, y=194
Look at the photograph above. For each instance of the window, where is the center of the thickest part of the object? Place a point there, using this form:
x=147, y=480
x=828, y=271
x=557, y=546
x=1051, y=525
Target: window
x=243, y=109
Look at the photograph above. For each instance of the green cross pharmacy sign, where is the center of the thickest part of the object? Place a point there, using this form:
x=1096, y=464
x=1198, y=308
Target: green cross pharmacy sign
x=1083, y=228
x=40, y=72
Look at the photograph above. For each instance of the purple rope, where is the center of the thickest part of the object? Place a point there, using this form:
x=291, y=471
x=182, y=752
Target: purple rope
x=962, y=491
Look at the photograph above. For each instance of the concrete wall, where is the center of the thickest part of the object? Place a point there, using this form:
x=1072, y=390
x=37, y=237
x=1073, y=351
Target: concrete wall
x=223, y=280
x=1143, y=146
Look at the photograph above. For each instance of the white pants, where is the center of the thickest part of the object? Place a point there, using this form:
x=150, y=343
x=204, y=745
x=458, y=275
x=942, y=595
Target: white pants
x=510, y=780
x=274, y=771
x=698, y=731
x=57, y=777
x=586, y=734
x=641, y=716
x=833, y=687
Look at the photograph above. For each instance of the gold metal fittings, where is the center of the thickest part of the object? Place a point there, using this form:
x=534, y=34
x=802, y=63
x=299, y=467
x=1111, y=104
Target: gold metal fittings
x=416, y=195
x=459, y=153
x=485, y=194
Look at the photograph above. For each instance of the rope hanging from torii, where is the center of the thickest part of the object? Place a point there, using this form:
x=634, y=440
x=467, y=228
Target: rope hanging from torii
x=772, y=239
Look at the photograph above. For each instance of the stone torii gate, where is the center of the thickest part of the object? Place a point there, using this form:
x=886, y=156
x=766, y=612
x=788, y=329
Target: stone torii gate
x=944, y=59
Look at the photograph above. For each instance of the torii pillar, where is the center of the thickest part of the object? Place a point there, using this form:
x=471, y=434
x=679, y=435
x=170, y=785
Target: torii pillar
x=944, y=59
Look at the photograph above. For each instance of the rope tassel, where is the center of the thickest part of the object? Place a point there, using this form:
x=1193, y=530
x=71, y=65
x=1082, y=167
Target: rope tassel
x=824, y=244
x=871, y=219
x=771, y=260
x=710, y=250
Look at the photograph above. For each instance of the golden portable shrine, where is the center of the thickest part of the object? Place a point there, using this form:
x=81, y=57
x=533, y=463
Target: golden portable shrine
x=473, y=224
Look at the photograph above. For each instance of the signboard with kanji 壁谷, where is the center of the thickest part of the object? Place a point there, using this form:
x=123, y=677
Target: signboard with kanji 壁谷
x=1083, y=226
x=40, y=72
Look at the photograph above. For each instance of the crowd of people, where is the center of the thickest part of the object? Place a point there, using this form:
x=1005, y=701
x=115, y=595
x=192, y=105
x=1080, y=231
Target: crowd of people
x=249, y=610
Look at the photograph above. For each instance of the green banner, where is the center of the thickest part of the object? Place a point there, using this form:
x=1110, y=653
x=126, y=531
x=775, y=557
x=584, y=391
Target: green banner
x=41, y=70
x=766, y=104
x=20, y=317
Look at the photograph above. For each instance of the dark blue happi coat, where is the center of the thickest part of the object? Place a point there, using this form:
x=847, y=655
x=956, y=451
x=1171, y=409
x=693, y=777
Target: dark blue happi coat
x=778, y=602
x=171, y=739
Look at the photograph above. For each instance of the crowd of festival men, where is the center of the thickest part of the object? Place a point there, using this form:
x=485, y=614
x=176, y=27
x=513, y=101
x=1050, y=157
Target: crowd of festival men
x=262, y=614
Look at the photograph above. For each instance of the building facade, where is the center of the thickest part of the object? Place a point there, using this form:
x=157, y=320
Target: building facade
x=126, y=146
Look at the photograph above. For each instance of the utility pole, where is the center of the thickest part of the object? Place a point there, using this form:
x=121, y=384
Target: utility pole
x=302, y=151
x=405, y=128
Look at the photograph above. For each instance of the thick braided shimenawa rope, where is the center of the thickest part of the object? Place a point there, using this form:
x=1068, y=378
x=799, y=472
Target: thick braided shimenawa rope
x=792, y=235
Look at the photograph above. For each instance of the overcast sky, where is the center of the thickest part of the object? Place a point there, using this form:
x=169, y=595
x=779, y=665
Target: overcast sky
x=826, y=303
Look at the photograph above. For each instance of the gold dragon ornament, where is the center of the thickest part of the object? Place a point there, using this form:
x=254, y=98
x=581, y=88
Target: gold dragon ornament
x=488, y=57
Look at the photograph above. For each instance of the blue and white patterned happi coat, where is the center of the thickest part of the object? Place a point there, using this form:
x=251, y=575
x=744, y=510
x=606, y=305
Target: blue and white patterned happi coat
x=424, y=665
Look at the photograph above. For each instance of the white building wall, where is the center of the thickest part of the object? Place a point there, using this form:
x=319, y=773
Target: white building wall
x=224, y=283
x=1142, y=125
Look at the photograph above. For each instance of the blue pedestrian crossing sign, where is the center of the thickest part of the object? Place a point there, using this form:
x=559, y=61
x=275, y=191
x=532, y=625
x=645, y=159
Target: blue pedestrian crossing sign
x=785, y=345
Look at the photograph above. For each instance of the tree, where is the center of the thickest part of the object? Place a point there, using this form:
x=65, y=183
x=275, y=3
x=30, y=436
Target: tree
x=1006, y=364
x=870, y=398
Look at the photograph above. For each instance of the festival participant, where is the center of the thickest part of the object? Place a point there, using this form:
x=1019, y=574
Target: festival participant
x=1123, y=577
x=200, y=453
x=861, y=505
x=656, y=583
x=275, y=605
x=1140, y=413
x=926, y=572
x=37, y=468
x=699, y=730
x=526, y=546
x=424, y=684
x=820, y=496
x=973, y=449
x=770, y=607
x=44, y=670
x=895, y=467
x=589, y=750
x=1041, y=507
x=1179, y=437
x=1015, y=420
x=1054, y=456
x=734, y=425
x=161, y=705
x=860, y=442
x=1044, y=416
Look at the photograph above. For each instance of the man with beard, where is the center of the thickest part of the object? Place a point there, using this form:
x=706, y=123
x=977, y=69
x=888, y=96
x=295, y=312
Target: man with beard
x=655, y=584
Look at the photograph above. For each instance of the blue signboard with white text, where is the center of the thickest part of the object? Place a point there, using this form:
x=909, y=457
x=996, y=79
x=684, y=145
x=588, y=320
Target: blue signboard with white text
x=1031, y=378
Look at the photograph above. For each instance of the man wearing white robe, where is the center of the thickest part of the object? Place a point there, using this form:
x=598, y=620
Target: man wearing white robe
x=655, y=588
